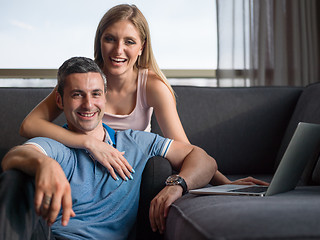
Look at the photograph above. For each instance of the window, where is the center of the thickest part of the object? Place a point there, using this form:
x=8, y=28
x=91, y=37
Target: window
x=39, y=34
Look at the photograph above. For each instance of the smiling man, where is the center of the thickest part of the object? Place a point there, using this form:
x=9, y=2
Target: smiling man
x=84, y=102
x=95, y=205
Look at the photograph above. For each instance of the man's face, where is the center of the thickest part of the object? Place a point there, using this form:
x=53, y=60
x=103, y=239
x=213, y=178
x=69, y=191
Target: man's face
x=83, y=101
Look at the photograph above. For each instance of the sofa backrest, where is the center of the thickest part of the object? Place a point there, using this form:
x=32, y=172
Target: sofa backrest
x=15, y=104
x=242, y=128
x=306, y=110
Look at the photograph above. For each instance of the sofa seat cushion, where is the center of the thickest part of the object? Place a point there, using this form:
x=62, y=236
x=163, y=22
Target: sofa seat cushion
x=295, y=214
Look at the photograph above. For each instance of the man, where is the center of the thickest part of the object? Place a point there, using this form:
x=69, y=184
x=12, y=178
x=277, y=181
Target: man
x=94, y=205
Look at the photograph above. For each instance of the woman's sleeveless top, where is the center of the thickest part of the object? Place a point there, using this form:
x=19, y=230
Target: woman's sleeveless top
x=140, y=117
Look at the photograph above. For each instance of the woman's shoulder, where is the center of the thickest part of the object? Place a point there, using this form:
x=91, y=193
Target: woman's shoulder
x=154, y=82
x=156, y=89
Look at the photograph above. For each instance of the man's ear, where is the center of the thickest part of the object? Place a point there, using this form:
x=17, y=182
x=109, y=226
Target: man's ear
x=59, y=100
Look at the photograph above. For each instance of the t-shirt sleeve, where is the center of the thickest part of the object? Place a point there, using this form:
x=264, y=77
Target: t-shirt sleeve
x=150, y=143
x=55, y=150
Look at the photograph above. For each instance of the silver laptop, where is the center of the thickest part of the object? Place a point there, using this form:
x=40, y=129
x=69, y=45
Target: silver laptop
x=304, y=145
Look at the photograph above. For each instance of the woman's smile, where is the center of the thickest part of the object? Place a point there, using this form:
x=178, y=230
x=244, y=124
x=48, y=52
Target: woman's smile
x=121, y=46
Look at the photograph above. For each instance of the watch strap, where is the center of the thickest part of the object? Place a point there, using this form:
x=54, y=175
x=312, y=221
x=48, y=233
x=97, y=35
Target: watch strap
x=184, y=186
x=177, y=180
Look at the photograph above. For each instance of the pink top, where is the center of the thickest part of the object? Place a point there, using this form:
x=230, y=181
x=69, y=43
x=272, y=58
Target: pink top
x=140, y=117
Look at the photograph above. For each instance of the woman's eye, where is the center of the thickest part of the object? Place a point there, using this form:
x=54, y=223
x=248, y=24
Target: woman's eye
x=130, y=42
x=109, y=39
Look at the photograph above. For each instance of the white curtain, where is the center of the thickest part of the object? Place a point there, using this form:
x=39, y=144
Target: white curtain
x=268, y=42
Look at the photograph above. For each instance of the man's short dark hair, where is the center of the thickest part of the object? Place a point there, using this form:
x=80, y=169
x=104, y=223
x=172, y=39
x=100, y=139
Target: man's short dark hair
x=77, y=65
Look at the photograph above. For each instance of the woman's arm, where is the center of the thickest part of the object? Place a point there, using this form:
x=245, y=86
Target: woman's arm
x=160, y=98
x=38, y=123
x=40, y=118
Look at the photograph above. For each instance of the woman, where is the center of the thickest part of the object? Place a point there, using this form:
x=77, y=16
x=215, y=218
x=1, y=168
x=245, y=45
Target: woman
x=136, y=88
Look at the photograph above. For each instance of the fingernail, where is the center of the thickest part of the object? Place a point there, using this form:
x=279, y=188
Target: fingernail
x=131, y=177
x=126, y=179
x=133, y=171
x=117, y=178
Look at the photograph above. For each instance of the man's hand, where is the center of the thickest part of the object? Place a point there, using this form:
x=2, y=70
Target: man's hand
x=52, y=191
x=159, y=206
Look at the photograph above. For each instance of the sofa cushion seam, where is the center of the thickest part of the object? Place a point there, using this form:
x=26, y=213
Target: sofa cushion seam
x=192, y=223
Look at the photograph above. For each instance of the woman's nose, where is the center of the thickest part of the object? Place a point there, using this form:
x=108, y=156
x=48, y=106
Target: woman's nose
x=119, y=48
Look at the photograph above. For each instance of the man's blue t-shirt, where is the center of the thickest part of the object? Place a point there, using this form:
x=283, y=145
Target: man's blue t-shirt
x=105, y=208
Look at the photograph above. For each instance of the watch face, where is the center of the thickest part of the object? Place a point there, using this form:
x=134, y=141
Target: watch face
x=173, y=180
x=177, y=180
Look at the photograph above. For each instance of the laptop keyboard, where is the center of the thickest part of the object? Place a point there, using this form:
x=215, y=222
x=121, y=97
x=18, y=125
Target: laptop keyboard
x=253, y=189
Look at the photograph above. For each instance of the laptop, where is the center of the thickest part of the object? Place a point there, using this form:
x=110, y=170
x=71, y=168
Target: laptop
x=304, y=146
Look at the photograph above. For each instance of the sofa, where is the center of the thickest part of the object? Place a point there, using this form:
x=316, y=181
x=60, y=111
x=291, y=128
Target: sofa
x=247, y=131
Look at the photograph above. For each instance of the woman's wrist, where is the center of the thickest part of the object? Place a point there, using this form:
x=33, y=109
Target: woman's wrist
x=86, y=142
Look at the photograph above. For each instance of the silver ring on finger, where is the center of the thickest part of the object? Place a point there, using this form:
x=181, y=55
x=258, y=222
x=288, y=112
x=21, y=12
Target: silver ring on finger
x=47, y=200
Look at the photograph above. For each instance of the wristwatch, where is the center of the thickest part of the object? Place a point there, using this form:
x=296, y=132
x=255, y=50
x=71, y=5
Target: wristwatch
x=177, y=180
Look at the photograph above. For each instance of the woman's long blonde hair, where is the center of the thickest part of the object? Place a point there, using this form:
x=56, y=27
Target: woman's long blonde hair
x=133, y=14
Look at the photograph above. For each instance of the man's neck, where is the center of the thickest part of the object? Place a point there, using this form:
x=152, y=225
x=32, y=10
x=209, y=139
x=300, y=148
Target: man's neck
x=98, y=132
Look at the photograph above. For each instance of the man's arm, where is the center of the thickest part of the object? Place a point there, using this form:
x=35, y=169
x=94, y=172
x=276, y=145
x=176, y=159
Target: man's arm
x=195, y=166
x=52, y=186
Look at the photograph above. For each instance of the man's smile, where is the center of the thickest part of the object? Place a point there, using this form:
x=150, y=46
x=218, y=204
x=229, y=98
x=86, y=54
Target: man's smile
x=87, y=114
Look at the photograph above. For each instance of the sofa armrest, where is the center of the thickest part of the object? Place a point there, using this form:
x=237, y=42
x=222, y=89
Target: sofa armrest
x=18, y=219
x=153, y=181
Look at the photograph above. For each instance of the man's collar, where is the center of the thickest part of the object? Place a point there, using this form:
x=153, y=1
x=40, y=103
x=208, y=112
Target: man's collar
x=110, y=134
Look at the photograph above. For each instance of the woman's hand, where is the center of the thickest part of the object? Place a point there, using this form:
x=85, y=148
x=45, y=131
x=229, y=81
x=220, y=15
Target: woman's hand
x=110, y=158
x=249, y=181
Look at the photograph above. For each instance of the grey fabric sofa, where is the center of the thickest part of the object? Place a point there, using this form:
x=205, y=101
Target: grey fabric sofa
x=246, y=130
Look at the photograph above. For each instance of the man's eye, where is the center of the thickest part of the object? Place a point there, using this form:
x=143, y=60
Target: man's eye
x=76, y=95
x=98, y=94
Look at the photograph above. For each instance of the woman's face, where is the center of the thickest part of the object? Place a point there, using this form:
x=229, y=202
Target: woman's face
x=120, y=47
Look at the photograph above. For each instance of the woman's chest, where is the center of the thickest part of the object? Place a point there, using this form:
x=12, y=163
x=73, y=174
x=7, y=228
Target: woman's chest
x=121, y=103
